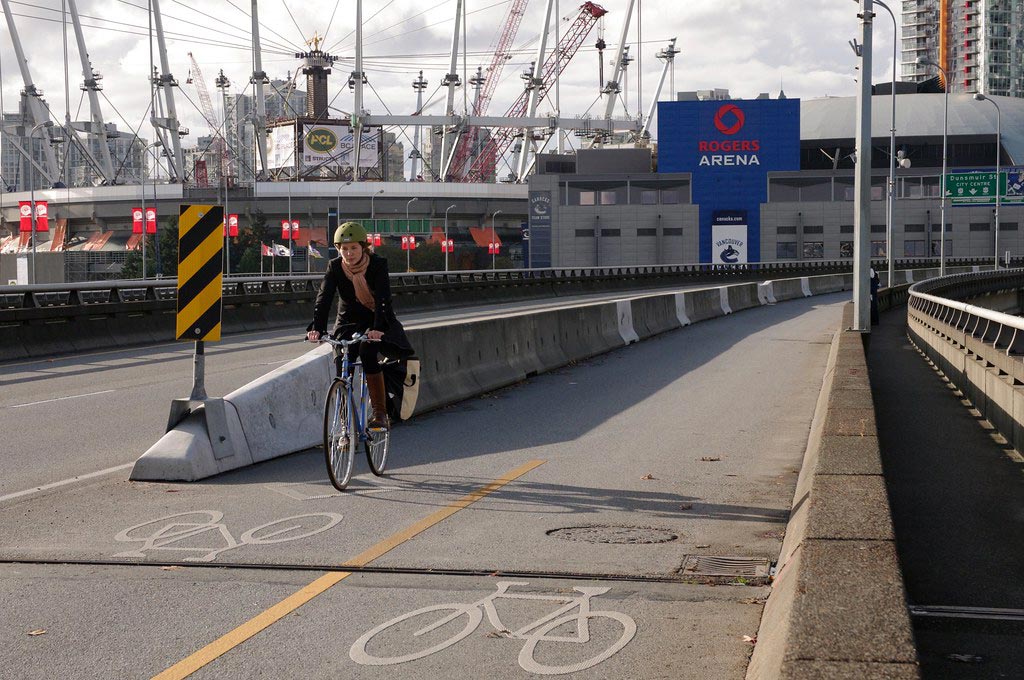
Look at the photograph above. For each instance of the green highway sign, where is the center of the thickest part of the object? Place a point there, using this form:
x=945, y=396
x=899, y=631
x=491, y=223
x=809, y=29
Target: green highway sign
x=979, y=188
x=971, y=188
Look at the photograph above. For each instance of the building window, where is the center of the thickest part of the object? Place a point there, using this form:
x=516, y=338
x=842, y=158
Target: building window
x=669, y=196
x=611, y=232
x=980, y=226
x=785, y=230
x=608, y=198
x=673, y=231
x=814, y=229
x=814, y=250
x=1007, y=226
x=878, y=249
x=646, y=232
x=877, y=228
x=785, y=250
x=937, y=227
x=912, y=228
x=949, y=248
x=914, y=248
x=846, y=229
x=846, y=249
x=584, y=233
x=587, y=198
x=648, y=197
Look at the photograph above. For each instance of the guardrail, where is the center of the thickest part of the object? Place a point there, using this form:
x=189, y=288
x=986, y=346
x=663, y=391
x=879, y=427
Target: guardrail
x=978, y=347
x=134, y=291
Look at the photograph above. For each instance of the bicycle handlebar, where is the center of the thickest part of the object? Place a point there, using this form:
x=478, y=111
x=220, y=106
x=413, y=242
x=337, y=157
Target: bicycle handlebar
x=356, y=338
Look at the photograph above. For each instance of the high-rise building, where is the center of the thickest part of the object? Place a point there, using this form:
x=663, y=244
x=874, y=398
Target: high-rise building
x=980, y=43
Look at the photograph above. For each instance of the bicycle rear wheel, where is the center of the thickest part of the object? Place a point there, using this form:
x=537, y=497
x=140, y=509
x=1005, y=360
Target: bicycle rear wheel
x=378, y=444
x=339, y=436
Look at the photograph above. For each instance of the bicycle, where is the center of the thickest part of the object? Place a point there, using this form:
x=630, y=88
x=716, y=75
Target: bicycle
x=345, y=416
x=533, y=633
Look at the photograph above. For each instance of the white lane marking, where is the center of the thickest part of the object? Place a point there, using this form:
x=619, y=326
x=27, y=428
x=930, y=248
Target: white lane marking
x=48, y=401
x=63, y=482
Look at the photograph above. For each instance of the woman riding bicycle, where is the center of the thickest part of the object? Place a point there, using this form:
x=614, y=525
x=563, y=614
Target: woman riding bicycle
x=361, y=280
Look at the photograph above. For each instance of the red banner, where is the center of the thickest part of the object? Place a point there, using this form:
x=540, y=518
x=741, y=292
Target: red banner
x=295, y=229
x=42, y=216
x=231, y=228
x=286, y=229
x=447, y=245
x=150, y=220
x=376, y=240
x=25, y=212
x=136, y=220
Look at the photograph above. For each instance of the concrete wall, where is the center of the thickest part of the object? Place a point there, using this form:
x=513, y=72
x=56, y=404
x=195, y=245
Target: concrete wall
x=49, y=267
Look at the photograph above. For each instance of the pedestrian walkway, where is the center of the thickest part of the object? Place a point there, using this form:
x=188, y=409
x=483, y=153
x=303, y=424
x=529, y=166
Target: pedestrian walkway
x=957, y=498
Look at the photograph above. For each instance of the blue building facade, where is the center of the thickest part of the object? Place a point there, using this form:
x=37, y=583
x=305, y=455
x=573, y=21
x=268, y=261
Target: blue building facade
x=729, y=147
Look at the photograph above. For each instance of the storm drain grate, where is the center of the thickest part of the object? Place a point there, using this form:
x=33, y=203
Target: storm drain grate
x=625, y=535
x=732, y=567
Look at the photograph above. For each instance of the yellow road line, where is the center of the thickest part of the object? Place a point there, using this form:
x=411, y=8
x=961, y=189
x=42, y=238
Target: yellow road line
x=265, y=619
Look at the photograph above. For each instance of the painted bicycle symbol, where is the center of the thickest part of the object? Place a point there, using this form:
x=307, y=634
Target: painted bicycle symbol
x=170, y=533
x=534, y=633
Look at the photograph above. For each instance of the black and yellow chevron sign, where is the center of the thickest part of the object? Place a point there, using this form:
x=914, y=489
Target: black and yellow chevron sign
x=200, y=241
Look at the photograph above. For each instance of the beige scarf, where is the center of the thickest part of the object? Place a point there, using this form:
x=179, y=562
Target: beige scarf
x=357, y=275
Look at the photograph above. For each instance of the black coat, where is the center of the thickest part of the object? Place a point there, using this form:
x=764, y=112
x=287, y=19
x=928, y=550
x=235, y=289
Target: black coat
x=352, y=315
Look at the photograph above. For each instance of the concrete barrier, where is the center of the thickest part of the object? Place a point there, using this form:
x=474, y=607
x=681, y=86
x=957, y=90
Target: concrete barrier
x=787, y=289
x=281, y=411
x=837, y=607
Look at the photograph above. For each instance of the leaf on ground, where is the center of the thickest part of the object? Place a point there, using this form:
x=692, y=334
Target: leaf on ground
x=648, y=476
x=702, y=546
x=173, y=490
x=172, y=567
x=710, y=459
x=499, y=634
x=751, y=640
x=686, y=506
x=37, y=632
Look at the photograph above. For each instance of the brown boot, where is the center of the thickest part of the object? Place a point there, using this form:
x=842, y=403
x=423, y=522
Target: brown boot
x=378, y=400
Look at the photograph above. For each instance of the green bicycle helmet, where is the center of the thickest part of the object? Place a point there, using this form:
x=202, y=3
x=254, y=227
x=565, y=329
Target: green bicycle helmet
x=350, y=232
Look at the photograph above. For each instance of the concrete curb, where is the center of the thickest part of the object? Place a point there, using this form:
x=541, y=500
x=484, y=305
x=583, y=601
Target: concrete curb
x=279, y=413
x=838, y=605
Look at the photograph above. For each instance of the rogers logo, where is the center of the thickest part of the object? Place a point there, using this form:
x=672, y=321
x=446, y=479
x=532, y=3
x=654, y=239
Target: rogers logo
x=737, y=125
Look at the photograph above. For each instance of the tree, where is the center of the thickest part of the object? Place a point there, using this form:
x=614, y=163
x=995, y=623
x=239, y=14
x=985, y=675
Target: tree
x=132, y=266
x=169, y=248
x=249, y=262
x=427, y=257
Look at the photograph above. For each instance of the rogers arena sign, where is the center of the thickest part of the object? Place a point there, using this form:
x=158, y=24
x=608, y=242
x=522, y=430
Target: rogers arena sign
x=729, y=120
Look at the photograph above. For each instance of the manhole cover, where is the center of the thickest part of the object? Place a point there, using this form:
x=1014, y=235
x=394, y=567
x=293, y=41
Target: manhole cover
x=614, y=534
x=734, y=567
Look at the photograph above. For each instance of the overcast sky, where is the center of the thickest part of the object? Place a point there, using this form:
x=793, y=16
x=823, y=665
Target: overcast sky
x=745, y=46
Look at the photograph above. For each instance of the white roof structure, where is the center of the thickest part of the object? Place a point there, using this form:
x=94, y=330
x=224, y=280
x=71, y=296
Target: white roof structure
x=917, y=115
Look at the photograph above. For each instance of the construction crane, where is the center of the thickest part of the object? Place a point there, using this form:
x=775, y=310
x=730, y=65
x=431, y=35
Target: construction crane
x=502, y=53
x=555, y=63
x=218, y=146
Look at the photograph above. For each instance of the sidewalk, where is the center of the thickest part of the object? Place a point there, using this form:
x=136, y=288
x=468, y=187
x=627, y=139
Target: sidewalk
x=957, y=500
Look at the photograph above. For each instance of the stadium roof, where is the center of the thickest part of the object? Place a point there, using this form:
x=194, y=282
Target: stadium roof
x=917, y=115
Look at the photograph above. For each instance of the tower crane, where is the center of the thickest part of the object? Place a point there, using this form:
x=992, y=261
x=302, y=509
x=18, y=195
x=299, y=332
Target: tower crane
x=502, y=53
x=219, y=144
x=555, y=63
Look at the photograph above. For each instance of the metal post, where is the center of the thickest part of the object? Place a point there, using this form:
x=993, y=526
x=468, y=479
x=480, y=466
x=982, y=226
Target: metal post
x=446, y=236
x=373, y=196
x=451, y=81
x=175, y=155
x=408, y=251
x=942, y=182
x=289, y=227
x=999, y=169
x=419, y=85
x=494, y=235
x=891, y=194
x=535, y=84
x=199, y=373
x=357, y=107
x=259, y=79
x=611, y=88
x=91, y=86
x=862, y=180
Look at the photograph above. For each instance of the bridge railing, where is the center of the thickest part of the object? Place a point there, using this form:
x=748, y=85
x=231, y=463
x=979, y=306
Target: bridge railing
x=305, y=285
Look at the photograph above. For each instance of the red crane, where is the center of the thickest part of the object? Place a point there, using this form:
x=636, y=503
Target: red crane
x=502, y=53
x=555, y=63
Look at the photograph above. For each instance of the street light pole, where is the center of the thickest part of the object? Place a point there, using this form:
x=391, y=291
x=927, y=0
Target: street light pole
x=891, y=198
x=999, y=153
x=373, y=196
x=408, y=226
x=32, y=199
x=494, y=235
x=446, y=236
x=942, y=183
x=142, y=188
x=337, y=215
x=862, y=179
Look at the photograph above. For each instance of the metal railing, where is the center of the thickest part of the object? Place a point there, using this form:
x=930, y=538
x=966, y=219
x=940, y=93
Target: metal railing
x=934, y=303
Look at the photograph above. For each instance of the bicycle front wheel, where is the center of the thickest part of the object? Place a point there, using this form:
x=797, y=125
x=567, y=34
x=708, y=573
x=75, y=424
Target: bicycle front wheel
x=339, y=435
